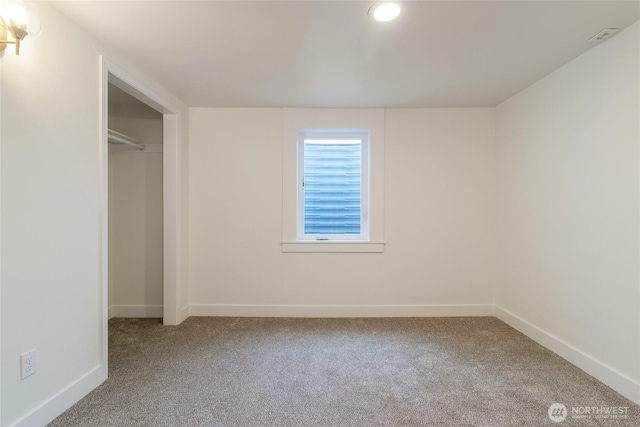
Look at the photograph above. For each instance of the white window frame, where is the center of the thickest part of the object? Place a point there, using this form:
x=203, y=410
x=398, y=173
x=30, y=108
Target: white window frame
x=336, y=134
x=296, y=119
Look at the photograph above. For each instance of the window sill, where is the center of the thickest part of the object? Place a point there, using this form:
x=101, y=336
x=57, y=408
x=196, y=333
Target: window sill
x=333, y=247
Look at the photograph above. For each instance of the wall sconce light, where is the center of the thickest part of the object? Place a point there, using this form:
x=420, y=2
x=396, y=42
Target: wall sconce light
x=18, y=20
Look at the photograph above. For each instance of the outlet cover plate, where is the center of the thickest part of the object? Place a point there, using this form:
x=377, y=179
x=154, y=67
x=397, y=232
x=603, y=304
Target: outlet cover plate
x=27, y=364
x=603, y=35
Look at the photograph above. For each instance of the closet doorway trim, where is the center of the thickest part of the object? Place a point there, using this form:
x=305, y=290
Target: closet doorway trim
x=172, y=253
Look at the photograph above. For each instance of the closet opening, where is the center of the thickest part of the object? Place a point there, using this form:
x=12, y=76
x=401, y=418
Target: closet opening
x=135, y=207
x=140, y=201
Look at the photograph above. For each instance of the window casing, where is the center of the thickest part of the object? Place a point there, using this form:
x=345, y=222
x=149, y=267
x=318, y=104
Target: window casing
x=314, y=119
x=333, y=185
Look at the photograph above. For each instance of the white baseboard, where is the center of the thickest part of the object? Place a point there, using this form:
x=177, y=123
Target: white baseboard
x=135, y=311
x=247, y=310
x=616, y=380
x=184, y=313
x=64, y=399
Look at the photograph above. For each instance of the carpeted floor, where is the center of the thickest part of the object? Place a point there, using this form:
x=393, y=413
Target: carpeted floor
x=336, y=372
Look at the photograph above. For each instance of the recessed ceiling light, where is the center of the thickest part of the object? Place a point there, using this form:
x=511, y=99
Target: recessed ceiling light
x=384, y=11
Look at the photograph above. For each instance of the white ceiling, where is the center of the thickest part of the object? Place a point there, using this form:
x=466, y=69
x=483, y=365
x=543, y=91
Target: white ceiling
x=330, y=54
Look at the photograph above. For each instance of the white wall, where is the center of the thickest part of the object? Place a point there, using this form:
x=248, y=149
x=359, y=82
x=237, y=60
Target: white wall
x=568, y=211
x=135, y=216
x=50, y=231
x=50, y=214
x=439, y=221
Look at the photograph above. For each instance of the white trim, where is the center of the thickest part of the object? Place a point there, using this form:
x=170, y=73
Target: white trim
x=112, y=73
x=154, y=311
x=184, y=313
x=618, y=381
x=433, y=310
x=64, y=399
x=332, y=247
x=171, y=196
x=103, y=200
x=296, y=119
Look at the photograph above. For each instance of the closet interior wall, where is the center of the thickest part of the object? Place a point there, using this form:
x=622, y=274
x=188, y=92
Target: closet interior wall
x=135, y=210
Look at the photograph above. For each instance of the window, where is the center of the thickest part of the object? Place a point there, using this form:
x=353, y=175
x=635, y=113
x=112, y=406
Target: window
x=350, y=217
x=333, y=185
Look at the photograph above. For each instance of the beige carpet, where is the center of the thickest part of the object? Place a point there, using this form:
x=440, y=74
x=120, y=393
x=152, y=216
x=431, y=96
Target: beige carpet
x=336, y=372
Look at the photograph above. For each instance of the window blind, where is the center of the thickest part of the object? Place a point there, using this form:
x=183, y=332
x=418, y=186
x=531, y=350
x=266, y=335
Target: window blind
x=332, y=186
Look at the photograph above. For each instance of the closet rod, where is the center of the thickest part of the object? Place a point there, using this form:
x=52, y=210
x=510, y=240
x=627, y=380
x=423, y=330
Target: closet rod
x=119, y=138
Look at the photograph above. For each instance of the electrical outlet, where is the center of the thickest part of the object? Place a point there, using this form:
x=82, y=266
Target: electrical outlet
x=27, y=364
